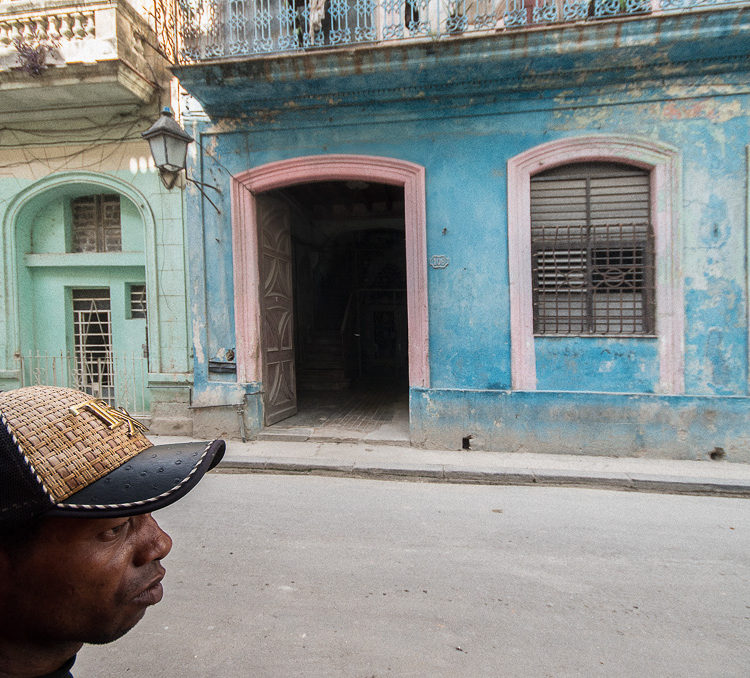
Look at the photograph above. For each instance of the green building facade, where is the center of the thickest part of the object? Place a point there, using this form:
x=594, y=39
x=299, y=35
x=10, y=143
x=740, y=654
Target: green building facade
x=92, y=247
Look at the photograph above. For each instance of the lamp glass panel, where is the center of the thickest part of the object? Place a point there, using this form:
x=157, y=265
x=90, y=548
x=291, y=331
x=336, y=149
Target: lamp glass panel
x=158, y=150
x=176, y=151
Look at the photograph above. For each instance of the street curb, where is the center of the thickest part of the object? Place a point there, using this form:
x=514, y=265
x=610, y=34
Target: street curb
x=604, y=480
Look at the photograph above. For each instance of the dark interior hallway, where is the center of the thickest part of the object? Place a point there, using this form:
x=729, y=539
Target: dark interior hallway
x=350, y=321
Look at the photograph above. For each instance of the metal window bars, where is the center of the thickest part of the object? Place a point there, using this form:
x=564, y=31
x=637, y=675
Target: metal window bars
x=138, y=301
x=593, y=279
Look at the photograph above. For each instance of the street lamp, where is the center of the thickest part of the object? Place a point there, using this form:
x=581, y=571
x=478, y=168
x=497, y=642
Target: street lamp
x=169, y=144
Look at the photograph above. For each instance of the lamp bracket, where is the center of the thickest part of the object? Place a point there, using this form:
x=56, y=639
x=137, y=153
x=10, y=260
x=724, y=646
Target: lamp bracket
x=168, y=178
x=200, y=185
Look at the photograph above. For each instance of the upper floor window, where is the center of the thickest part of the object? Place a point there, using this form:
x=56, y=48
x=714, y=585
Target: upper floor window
x=592, y=250
x=96, y=224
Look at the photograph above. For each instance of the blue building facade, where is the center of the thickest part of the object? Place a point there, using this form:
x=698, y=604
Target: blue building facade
x=545, y=225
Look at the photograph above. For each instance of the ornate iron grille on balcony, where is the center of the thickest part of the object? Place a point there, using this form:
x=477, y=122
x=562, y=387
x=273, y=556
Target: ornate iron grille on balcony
x=219, y=29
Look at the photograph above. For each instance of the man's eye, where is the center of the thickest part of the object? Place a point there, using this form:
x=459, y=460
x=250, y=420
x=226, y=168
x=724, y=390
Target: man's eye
x=114, y=531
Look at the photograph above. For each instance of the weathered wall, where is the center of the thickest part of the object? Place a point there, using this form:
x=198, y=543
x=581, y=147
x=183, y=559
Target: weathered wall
x=464, y=138
x=674, y=427
x=35, y=184
x=72, y=127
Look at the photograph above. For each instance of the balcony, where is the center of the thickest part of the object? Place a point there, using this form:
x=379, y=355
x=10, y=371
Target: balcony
x=56, y=57
x=214, y=30
x=271, y=60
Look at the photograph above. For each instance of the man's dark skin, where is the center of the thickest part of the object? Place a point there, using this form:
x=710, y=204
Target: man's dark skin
x=76, y=581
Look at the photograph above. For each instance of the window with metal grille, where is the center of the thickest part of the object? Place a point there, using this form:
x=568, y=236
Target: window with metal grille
x=92, y=334
x=592, y=254
x=96, y=224
x=137, y=301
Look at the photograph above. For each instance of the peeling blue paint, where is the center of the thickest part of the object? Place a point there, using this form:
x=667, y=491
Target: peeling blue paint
x=686, y=85
x=716, y=346
x=554, y=422
x=597, y=364
x=715, y=221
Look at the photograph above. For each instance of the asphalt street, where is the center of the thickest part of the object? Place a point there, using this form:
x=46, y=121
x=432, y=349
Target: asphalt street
x=283, y=576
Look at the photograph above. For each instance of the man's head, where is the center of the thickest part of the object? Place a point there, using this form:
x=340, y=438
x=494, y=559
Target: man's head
x=79, y=550
x=82, y=580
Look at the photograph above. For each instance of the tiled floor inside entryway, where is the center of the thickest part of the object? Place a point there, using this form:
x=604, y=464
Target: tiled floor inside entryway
x=371, y=413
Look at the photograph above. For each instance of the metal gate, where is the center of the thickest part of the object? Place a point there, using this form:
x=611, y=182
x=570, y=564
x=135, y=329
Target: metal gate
x=130, y=372
x=92, y=336
x=118, y=379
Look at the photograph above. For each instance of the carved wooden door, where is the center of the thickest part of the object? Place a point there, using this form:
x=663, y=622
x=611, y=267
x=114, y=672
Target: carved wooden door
x=275, y=241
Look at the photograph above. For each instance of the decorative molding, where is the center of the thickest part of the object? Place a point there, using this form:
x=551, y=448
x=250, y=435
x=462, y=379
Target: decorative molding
x=327, y=168
x=83, y=259
x=661, y=160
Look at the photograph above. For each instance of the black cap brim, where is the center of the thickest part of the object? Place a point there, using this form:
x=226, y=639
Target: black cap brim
x=153, y=479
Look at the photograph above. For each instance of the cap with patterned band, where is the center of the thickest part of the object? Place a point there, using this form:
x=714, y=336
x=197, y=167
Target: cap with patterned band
x=65, y=453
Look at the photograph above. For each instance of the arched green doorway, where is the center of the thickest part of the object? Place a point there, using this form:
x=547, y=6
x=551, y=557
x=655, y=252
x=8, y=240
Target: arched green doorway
x=78, y=260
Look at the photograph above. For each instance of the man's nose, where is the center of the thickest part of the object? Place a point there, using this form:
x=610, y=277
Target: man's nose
x=155, y=543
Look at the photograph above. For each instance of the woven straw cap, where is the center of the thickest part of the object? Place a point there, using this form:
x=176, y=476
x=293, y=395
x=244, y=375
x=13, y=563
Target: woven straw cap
x=66, y=454
x=68, y=439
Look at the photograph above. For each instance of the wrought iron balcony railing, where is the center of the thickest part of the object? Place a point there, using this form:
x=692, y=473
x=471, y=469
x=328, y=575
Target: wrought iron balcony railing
x=209, y=30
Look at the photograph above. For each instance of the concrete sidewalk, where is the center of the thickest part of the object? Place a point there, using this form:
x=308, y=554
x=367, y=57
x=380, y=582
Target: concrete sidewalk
x=363, y=460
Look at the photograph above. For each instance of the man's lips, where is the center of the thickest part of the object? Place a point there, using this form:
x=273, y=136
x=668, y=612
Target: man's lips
x=153, y=593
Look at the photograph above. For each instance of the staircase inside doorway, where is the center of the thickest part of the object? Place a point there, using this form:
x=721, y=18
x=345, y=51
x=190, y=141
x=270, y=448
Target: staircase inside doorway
x=324, y=367
x=368, y=413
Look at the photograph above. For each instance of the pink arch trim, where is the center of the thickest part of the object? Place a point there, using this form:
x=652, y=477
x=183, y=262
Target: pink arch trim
x=662, y=161
x=327, y=168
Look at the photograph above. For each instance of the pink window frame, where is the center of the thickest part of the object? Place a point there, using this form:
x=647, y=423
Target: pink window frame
x=662, y=162
x=244, y=188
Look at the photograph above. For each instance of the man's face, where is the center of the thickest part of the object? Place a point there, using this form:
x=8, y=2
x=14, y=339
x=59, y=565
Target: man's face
x=85, y=580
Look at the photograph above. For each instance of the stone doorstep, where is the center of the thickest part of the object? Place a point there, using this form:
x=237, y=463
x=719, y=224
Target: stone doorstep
x=308, y=435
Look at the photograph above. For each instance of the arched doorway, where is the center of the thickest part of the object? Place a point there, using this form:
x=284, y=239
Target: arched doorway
x=79, y=287
x=377, y=305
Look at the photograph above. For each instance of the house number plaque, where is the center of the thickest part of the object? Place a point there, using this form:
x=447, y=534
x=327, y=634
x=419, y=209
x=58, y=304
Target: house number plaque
x=439, y=261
